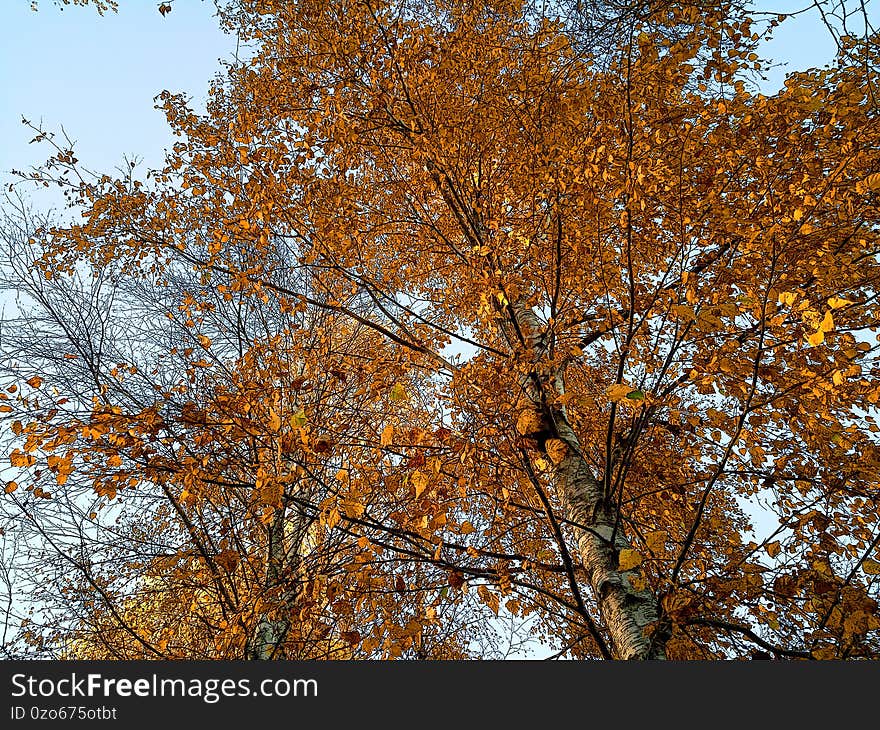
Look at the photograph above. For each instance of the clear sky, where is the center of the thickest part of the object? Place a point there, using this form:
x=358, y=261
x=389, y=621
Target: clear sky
x=97, y=76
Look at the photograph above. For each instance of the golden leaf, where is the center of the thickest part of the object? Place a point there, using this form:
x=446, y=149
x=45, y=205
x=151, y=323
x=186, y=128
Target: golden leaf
x=387, y=435
x=618, y=392
x=274, y=420
x=773, y=549
x=655, y=540
x=629, y=559
x=420, y=481
x=352, y=508
x=529, y=421
x=35, y=382
x=870, y=567
x=817, y=338
x=826, y=652
x=556, y=450
x=489, y=598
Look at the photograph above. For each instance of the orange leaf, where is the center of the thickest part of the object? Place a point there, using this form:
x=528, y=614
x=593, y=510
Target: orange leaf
x=387, y=435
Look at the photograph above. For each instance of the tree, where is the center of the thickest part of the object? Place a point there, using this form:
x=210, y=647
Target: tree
x=223, y=479
x=605, y=313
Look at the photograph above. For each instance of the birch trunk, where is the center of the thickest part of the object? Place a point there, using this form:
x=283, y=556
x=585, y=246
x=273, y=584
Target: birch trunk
x=283, y=571
x=631, y=616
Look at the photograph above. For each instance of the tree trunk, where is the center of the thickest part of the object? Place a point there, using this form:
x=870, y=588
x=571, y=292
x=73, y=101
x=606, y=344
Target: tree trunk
x=631, y=616
x=283, y=572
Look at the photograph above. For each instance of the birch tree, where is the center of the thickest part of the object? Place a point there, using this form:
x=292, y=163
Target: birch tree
x=618, y=306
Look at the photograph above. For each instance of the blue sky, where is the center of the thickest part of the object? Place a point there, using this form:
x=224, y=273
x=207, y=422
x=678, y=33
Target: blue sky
x=97, y=76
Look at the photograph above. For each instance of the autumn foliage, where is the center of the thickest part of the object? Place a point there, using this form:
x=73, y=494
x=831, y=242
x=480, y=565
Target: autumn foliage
x=444, y=332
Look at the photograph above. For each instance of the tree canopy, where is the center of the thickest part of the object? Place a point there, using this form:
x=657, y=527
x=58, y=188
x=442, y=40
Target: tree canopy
x=451, y=328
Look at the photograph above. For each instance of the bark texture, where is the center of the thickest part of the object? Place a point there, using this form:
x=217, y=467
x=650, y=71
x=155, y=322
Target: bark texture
x=284, y=568
x=631, y=616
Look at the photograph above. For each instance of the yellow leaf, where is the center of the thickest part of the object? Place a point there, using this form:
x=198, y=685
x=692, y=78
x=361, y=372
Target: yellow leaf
x=618, y=392
x=298, y=419
x=466, y=528
x=837, y=302
x=387, y=435
x=827, y=323
x=870, y=567
x=332, y=518
x=17, y=458
x=205, y=341
x=629, y=559
x=773, y=549
x=398, y=392
x=682, y=311
x=353, y=508
x=11, y=487
x=420, y=481
x=489, y=598
x=837, y=377
x=529, y=421
x=817, y=338
x=274, y=420
x=35, y=382
x=655, y=540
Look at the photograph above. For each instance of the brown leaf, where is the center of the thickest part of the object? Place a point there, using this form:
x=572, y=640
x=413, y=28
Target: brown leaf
x=455, y=579
x=351, y=637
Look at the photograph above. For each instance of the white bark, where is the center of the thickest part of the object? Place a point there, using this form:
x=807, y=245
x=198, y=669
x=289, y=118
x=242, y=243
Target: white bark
x=630, y=615
x=284, y=564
